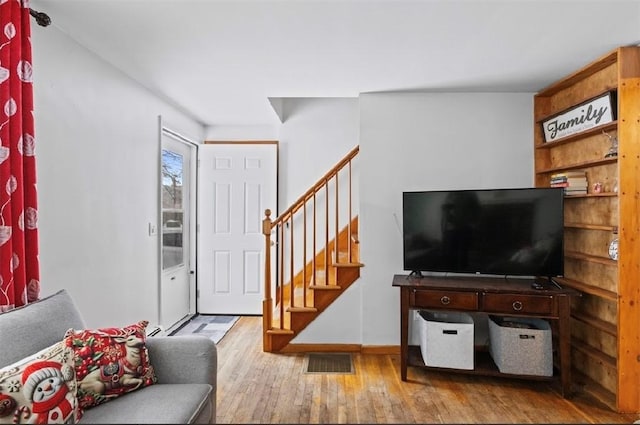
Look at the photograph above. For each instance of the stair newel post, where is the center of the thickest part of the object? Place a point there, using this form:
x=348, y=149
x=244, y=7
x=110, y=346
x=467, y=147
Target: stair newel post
x=267, y=303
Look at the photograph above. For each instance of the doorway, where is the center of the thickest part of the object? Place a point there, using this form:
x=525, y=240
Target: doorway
x=177, y=228
x=237, y=183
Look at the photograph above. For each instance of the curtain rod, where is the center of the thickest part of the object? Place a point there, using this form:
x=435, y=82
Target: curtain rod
x=41, y=18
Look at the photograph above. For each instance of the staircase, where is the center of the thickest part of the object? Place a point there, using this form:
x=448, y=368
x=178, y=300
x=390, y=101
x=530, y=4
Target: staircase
x=311, y=255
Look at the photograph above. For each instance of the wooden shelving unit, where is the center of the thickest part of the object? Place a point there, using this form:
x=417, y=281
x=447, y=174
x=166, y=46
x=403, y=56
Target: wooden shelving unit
x=606, y=319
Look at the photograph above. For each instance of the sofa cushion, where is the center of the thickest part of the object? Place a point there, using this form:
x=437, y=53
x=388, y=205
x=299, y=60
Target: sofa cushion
x=110, y=362
x=36, y=326
x=163, y=403
x=40, y=388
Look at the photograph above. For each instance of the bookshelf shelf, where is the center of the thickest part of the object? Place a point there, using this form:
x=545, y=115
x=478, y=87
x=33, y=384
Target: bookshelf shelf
x=575, y=166
x=590, y=258
x=606, y=327
x=577, y=137
x=587, y=289
x=592, y=195
x=604, y=227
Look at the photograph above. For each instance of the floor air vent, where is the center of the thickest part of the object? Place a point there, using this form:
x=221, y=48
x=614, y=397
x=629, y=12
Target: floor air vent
x=328, y=363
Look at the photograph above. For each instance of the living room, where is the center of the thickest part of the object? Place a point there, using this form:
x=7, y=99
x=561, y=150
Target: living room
x=97, y=132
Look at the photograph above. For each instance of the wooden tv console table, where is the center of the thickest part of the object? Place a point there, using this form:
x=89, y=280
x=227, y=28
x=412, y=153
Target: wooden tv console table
x=496, y=296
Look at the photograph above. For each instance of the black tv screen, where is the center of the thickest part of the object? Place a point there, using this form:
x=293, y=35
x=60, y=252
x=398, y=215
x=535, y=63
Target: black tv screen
x=490, y=231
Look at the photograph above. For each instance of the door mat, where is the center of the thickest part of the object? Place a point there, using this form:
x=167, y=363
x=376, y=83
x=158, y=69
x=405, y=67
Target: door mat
x=328, y=363
x=212, y=326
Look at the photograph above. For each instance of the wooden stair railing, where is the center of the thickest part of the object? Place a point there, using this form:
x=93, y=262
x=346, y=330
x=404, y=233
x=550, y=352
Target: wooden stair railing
x=312, y=259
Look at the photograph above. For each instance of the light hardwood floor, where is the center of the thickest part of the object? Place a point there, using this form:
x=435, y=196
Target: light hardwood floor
x=258, y=387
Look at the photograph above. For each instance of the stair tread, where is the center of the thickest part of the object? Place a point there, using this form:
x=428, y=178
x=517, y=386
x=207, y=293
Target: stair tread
x=301, y=309
x=325, y=287
x=275, y=331
x=348, y=264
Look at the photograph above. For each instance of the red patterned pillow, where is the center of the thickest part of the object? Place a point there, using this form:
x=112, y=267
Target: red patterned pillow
x=110, y=362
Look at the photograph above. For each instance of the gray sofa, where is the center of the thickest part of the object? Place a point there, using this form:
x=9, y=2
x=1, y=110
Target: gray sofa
x=186, y=366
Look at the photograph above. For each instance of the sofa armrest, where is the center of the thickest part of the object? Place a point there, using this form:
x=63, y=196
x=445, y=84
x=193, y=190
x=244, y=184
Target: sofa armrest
x=184, y=359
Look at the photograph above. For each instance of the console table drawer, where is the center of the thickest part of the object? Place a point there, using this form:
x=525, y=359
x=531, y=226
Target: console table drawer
x=457, y=300
x=519, y=304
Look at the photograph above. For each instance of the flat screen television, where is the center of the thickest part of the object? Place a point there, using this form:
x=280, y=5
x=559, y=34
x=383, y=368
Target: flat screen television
x=516, y=232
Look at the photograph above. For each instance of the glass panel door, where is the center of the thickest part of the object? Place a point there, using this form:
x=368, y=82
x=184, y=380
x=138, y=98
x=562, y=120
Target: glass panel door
x=172, y=209
x=177, y=229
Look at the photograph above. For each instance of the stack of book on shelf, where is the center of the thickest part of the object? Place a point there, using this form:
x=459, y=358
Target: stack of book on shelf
x=573, y=182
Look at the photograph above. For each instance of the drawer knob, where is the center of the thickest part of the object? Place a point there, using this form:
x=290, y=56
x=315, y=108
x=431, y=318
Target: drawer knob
x=517, y=305
x=445, y=300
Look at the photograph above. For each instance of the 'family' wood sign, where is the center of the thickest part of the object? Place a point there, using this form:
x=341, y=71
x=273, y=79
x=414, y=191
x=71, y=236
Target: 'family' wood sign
x=587, y=115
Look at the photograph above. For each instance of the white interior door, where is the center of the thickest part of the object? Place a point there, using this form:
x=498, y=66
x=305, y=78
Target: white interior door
x=237, y=182
x=177, y=280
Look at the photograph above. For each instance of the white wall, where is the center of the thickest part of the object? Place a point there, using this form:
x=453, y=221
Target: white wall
x=231, y=133
x=423, y=141
x=408, y=141
x=315, y=135
x=98, y=170
x=97, y=164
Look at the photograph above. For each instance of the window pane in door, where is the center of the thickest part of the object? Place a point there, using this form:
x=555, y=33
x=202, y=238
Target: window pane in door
x=172, y=209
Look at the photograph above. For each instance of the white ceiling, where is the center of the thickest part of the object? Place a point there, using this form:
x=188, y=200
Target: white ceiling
x=221, y=61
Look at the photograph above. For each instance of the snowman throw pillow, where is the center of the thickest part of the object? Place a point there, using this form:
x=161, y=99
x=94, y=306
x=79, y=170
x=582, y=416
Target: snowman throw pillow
x=40, y=388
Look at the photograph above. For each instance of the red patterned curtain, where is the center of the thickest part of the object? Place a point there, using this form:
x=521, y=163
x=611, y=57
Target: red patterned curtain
x=19, y=267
